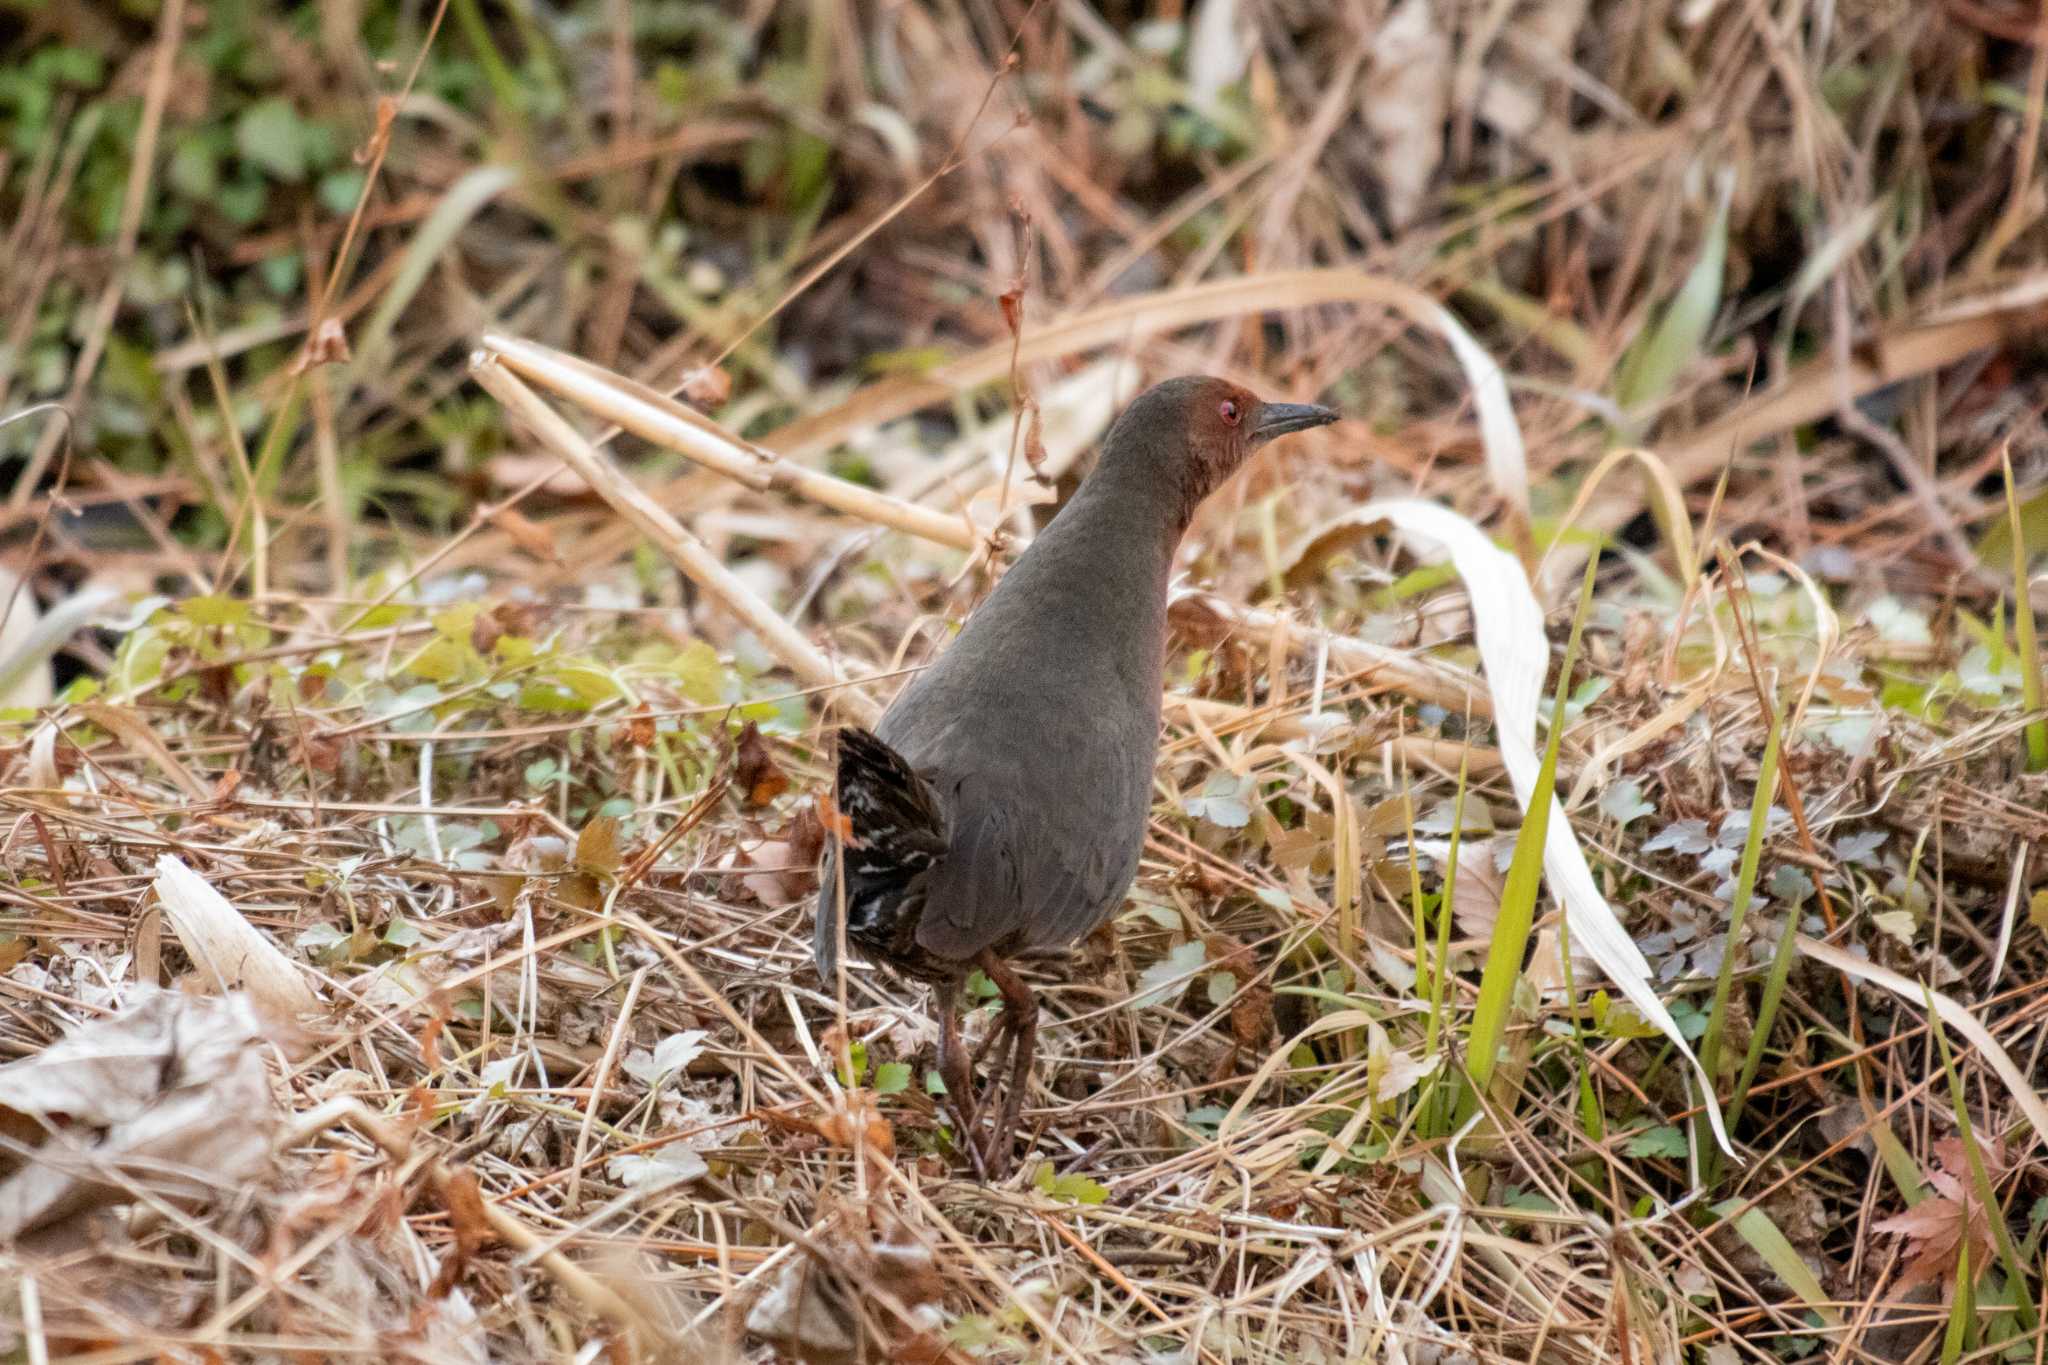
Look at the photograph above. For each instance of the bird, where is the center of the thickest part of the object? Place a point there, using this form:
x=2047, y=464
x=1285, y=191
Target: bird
x=1000, y=804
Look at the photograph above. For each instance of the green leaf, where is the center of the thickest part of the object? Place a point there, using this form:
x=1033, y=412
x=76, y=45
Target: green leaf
x=1657, y=360
x=699, y=673
x=194, y=169
x=271, y=134
x=214, y=611
x=242, y=202
x=401, y=933
x=1995, y=549
x=1068, y=1188
x=892, y=1078
x=340, y=189
x=1665, y=1140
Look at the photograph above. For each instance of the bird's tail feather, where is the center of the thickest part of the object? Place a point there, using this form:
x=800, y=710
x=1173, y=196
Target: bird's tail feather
x=892, y=817
x=890, y=829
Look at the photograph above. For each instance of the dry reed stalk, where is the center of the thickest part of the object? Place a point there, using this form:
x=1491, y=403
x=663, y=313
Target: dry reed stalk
x=682, y=546
x=673, y=426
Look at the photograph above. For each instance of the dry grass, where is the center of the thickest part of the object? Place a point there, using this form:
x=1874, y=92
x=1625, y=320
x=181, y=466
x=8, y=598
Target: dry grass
x=531, y=814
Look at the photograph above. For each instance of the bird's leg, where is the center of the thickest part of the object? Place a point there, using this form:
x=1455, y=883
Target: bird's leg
x=1020, y=1022
x=1001, y=1039
x=954, y=1069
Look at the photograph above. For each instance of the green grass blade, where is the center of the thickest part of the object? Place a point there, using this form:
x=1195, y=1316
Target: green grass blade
x=1755, y=1227
x=1738, y=911
x=1980, y=1183
x=1436, y=1115
x=2023, y=629
x=1510, y=942
x=1766, y=1015
x=1655, y=362
x=1961, y=1309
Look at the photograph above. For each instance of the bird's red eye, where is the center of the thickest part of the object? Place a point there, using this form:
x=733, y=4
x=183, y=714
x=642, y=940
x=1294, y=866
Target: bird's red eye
x=1229, y=411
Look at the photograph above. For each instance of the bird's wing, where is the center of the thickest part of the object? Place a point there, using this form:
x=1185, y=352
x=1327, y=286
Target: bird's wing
x=975, y=896
x=994, y=889
x=1090, y=881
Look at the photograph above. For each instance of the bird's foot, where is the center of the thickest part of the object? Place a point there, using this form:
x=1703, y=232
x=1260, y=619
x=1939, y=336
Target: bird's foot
x=1014, y=1041
x=957, y=1071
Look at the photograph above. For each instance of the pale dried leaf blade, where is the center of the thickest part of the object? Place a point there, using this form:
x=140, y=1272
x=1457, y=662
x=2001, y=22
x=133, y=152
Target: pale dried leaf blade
x=231, y=952
x=1219, y=49
x=1952, y=1013
x=1125, y=322
x=21, y=682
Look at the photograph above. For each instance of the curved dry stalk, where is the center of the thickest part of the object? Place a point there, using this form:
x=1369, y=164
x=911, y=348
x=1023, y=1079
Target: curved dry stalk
x=1814, y=391
x=671, y=425
x=1124, y=321
x=675, y=540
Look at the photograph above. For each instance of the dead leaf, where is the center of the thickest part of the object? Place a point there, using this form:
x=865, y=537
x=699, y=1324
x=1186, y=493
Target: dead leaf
x=865, y=1288
x=638, y=731
x=804, y=835
x=708, y=386
x=518, y=619
x=467, y=1219
x=1935, y=1227
x=1251, y=1011
x=328, y=345
x=320, y=753
x=859, y=1117
x=126, y=725
x=1406, y=100
x=597, y=847
x=170, y=1096
x=528, y=534
x=760, y=780
x=1475, y=897
x=839, y=826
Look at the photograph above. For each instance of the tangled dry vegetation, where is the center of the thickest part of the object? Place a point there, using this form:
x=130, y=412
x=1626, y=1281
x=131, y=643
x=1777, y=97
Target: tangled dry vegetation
x=488, y=785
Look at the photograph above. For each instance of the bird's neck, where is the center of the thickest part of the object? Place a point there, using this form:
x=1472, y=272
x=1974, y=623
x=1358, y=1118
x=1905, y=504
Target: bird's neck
x=1153, y=498
x=1105, y=561
x=1124, y=522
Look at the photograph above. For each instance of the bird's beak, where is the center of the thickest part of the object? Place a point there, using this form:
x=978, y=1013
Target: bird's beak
x=1278, y=419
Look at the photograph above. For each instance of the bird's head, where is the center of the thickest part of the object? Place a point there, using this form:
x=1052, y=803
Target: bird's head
x=1196, y=431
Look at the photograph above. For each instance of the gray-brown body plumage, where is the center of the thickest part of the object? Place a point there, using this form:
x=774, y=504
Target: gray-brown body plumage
x=1001, y=803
